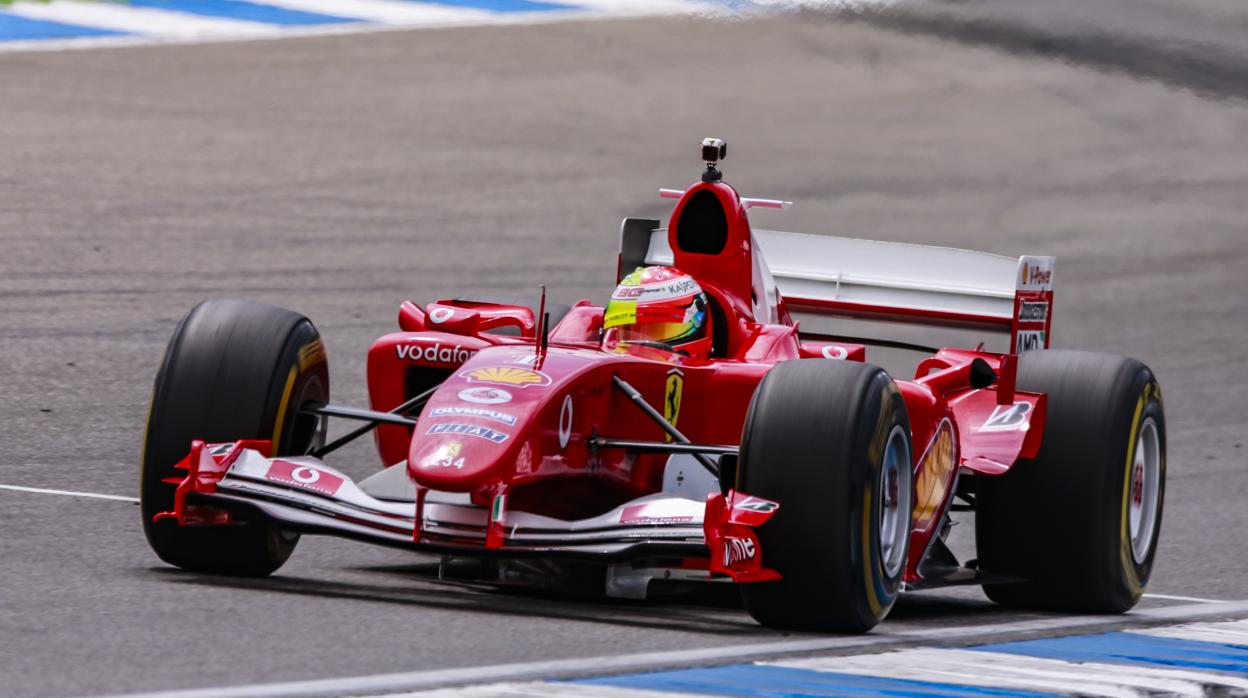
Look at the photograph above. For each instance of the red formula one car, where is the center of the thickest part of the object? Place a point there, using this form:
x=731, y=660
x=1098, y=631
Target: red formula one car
x=689, y=431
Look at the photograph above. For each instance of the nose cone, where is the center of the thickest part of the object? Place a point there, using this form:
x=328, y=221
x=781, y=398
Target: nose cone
x=469, y=434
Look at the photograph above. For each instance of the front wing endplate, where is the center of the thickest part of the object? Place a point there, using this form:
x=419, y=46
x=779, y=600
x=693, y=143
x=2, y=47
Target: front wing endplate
x=729, y=528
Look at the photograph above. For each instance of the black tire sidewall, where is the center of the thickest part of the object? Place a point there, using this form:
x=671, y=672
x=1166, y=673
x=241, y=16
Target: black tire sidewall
x=1060, y=520
x=814, y=442
x=232, y=370
x=1125, y=579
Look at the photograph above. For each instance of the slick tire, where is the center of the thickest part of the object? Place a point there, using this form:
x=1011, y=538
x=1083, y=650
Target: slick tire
x=1080, y=522
x=830, y=442
x=233, y=370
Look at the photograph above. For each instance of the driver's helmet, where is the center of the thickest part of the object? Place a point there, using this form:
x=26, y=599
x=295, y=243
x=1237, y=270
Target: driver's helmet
x=662, y=308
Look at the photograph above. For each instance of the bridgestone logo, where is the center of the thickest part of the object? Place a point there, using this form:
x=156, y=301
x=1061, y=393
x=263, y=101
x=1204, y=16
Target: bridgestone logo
x=1008, y=417
x=1033, y=312
x=761, y=505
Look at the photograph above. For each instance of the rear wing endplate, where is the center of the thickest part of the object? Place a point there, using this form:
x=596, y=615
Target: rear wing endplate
x=891, y=281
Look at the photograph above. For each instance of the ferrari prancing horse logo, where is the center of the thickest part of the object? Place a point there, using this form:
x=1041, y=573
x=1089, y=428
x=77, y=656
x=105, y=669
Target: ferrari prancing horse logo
x=672, y=397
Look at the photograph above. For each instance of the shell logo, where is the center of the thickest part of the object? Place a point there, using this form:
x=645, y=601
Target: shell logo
x=507, y=375
x=934, y=477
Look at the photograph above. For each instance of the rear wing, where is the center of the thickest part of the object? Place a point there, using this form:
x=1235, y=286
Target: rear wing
x=891, y=281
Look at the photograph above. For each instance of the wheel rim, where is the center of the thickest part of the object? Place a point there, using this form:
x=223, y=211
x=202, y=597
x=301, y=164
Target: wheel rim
x=305, y=433
x=1145, y=491
x=894, y=502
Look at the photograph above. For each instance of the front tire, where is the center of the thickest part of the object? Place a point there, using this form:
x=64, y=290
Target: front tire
x=232, y=370
x=1080, y=522
x=829, y=441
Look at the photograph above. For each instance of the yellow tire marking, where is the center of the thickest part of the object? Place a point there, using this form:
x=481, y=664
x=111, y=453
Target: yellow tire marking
x=867, y=568
x=1128, y=562
x=281, y=409
x=875, y=453
x=312, y=353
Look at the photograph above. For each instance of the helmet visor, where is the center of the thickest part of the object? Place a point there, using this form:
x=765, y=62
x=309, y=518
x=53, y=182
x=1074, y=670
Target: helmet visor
x=671, y=325
x=666, y=332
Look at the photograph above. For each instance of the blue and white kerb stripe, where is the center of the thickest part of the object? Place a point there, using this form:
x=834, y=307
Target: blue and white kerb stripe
x=1188, y=660
x=42, y=24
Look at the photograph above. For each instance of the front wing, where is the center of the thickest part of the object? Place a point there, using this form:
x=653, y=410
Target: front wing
x=227, y=483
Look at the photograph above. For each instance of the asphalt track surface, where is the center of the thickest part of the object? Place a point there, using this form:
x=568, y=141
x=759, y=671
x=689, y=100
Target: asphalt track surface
x=340, y=176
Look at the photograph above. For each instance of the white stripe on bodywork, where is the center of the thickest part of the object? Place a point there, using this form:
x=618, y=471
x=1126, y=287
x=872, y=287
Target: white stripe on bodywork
x=139, y=20
x=391, y=12
x=1233, y=632
x=1002, y=670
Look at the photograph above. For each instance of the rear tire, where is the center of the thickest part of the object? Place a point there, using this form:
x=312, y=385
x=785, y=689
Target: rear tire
x=829, y=441
x=232, y=370
x=1080, y=522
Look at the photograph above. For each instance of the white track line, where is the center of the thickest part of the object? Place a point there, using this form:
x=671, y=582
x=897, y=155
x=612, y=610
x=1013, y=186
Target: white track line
x=1228, y=633
x=1171, y=597
x=625, y=8
x=139, y=20
x=434, y=678
x=68, y=493
x=386, y=11
x=538, y=689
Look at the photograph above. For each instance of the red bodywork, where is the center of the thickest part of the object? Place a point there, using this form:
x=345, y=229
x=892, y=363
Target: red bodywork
x=512, y=421
x=562, y=397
